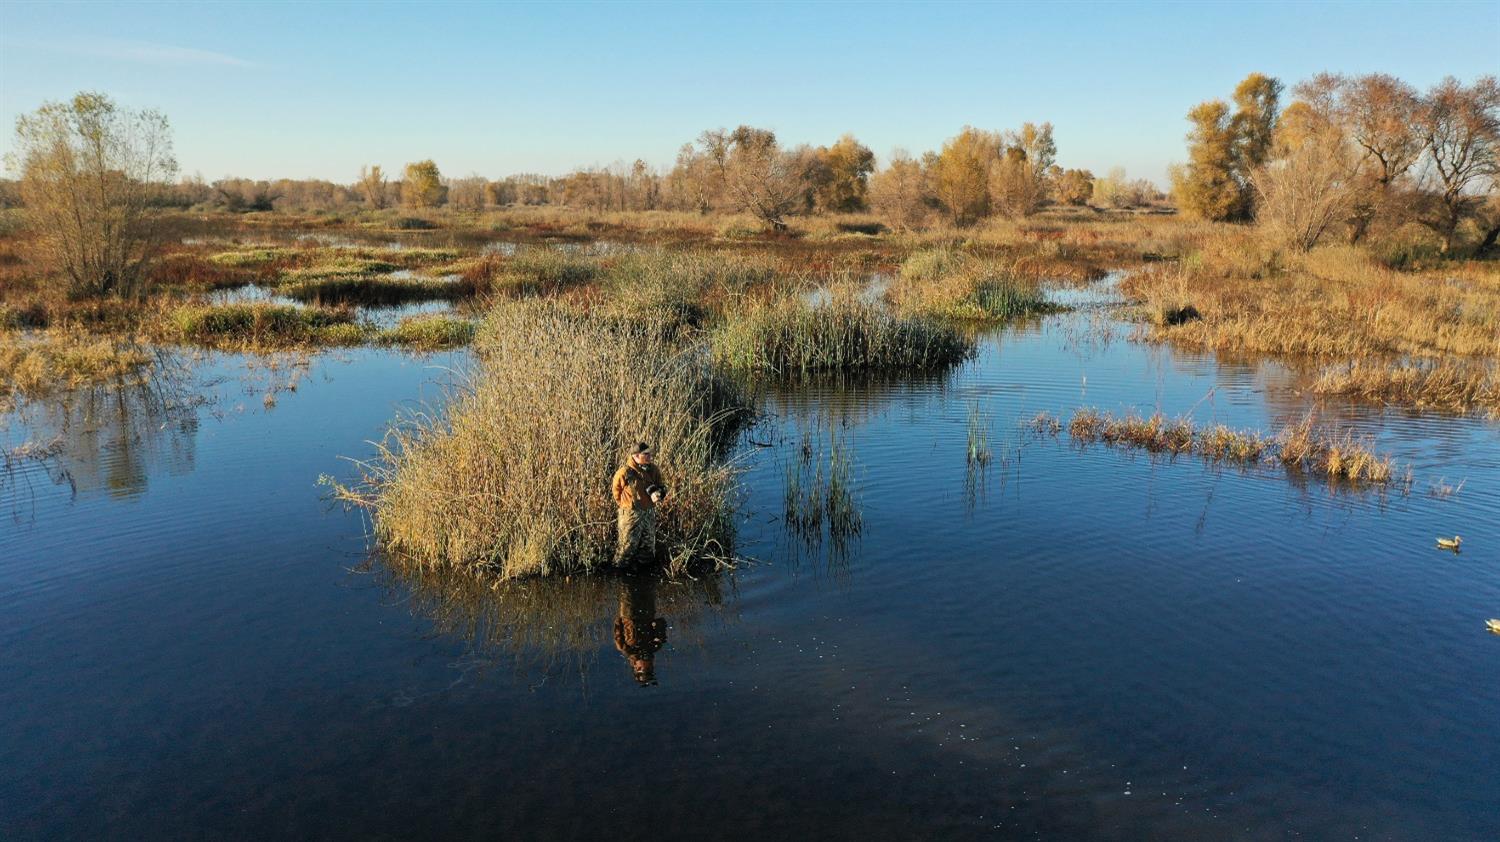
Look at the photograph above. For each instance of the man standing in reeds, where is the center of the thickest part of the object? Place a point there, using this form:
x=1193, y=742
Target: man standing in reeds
x=637, y=488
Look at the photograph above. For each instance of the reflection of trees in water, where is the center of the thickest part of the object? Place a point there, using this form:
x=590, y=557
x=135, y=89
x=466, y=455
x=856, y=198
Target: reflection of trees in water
x=554, y=623
x=850, y=399
x=111, y=437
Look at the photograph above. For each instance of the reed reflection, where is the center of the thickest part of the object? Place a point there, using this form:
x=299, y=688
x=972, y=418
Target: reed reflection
x=559, y=625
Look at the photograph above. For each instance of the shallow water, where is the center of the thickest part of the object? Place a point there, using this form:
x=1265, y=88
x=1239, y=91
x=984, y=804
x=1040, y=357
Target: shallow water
x=1067, y=643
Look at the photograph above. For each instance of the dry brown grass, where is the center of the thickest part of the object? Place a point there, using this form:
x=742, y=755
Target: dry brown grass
x=1450, y=386
x=37, y=363
x=1334, y=302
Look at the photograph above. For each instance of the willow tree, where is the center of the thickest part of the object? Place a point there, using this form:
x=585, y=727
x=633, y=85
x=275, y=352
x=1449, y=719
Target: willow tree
x=899, y=193
x=1208, y=186
x=961, y=174
x=92, y=179
x=759, y=176
x=422, y=185
x=844, y=182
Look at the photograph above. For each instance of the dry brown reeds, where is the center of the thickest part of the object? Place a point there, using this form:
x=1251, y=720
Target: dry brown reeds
x=513, y=478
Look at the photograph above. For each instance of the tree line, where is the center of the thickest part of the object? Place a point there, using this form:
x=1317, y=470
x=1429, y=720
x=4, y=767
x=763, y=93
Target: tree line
x=974, y=175
x=1348, y=155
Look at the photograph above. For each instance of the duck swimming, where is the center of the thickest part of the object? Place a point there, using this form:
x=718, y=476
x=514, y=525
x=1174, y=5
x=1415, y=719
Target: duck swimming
x=1450, y=543
x=1494, y=625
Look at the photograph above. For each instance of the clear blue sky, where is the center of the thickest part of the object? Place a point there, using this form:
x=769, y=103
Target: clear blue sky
x=317, y=89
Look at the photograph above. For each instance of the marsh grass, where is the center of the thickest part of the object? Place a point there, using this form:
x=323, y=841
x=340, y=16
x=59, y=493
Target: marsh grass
x=250, y=325
x=979, y=453
x=1337, y=302
x=535, y=271
x=372, y=290
x=1450, y=386
x=254, y=256
x=819, y=499
x=430, y=332
x=790, y=336
x=1301, y=446
x=512, y=478
x=37, y=363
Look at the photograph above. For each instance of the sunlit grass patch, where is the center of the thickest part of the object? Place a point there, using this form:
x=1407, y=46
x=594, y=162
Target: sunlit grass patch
x=541, y=271
x=430, y=332
x=946, y=283
x=1450, y=386
x=791, y=336
x=253, y=256
x=339, y=267
x=371, y=289
x=261, y=324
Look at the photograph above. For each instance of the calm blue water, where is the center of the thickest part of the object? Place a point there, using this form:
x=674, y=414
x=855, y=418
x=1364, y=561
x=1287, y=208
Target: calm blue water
x=1070, y=643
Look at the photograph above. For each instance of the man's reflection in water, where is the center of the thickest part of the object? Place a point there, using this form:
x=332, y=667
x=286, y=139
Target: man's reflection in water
x=639, y=633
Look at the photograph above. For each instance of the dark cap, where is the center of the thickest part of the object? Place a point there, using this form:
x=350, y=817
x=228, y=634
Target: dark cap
x=642, y=448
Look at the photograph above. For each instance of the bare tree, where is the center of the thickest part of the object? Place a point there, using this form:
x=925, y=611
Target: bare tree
x=372, y=186
x=1460, y=127
x=1308, y=189
x=92, y=175
x=760, y=177
x=899, y=192
x=467, y=193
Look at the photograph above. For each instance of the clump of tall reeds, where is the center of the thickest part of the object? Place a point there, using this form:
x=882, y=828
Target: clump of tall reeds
x=371, y=290
x=1299, y=446
x=845, y=334
x=513, y=477
x=818, y=492
x=978, y=453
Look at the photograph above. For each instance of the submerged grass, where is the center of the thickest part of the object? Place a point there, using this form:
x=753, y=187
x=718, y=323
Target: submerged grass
x=1300, y=446
x=513, y=478
x=34, y=364
x=791, y=336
